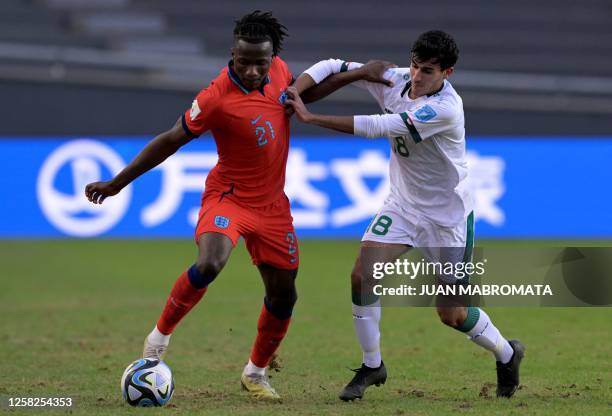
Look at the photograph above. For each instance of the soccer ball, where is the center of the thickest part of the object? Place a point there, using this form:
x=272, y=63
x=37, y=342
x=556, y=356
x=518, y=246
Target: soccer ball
x=147, y=382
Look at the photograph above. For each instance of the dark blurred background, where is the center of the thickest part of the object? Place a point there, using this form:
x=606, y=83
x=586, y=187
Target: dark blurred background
x=123, y=67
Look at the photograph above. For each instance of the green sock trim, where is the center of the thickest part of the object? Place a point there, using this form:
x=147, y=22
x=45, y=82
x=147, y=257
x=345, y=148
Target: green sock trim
x=364, y=299
x=469, y=239
x=473, y=314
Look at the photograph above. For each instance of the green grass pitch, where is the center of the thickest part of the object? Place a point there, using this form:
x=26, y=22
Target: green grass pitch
x=73, y=314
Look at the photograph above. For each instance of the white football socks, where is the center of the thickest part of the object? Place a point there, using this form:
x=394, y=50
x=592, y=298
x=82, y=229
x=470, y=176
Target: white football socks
x=488, y=336
x=157, y=338
x=366, y=320
x=251, y=368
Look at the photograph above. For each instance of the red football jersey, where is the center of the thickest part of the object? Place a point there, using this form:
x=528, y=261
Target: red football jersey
x=251, y=131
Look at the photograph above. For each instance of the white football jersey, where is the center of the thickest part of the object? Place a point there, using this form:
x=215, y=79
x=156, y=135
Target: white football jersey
x=428, y=166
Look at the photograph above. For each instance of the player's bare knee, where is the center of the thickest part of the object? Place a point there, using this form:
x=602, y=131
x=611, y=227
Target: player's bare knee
x=356, y=280
x=209, y=268
x=293, y=298
x=449, y=321
x=449, y=317
x=281, y=306
x=283, y=299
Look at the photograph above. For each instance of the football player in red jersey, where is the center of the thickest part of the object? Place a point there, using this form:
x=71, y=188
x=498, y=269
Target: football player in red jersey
x=244, y=110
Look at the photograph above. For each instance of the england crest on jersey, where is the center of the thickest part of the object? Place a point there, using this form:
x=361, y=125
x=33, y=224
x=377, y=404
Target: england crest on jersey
x=221, y=221
x=282, y=97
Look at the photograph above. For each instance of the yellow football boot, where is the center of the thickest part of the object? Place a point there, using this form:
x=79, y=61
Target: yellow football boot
x=258, y=387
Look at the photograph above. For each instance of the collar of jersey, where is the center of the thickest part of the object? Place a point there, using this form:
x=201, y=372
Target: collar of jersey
x=409, y=84
x=234, y=77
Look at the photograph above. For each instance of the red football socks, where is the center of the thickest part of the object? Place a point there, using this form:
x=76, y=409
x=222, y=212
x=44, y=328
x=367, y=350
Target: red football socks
x=270, y=333
x=183, y=297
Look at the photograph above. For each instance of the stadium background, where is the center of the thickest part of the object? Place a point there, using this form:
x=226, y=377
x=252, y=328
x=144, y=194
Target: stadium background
x=536, y=79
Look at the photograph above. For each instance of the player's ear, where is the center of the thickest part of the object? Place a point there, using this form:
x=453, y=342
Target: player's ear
x=448, y=72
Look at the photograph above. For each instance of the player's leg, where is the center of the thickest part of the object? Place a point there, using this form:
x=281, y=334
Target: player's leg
x=386, y=239
x=275, y=316
x=472, y=320
x=219, y=226
x=366, y=311
x=272, y=326
x=274, y=249
x=479, y=328
x=214, y=250
x=366, y=308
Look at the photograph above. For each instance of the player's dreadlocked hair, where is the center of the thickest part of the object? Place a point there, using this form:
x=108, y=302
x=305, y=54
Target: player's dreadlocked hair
x=259, y=27
x=436, y=45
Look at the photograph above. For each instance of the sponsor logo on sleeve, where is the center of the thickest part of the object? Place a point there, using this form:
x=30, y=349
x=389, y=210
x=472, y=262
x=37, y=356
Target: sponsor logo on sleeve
x=425, y=113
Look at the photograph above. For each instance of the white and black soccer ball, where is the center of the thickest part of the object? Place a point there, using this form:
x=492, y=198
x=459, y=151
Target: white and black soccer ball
x=147, y=382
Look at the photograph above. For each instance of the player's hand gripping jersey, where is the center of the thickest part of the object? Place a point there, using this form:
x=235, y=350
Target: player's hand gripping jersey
x=251, y=131
x=428, y=167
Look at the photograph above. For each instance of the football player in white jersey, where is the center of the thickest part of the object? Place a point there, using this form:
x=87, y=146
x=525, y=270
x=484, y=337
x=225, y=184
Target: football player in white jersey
x=429, y=206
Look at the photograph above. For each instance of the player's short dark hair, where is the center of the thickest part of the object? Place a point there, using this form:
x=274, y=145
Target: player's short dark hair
x=438, y=46
x=259, y=27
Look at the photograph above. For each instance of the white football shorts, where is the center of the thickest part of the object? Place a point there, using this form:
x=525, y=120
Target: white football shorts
x=394, y=224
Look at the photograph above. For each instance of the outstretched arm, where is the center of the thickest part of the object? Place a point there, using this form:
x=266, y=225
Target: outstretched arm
x=325, y=77
x=366, y=126
x=154, y=153
x=339, y=123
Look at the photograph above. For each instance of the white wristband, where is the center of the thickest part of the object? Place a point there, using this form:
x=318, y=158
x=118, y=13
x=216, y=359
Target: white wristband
x=363, y=126
x=322, y=69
